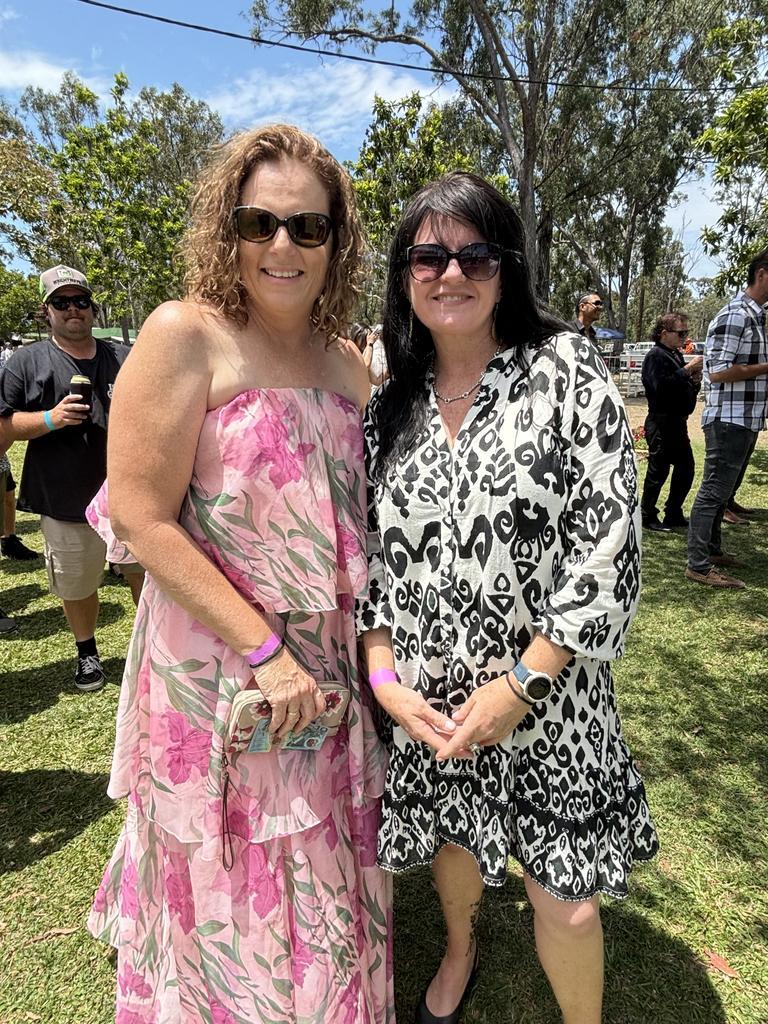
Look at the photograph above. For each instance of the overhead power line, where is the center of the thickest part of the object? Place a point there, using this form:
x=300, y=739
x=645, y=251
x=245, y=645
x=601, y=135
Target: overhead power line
x=362, y=59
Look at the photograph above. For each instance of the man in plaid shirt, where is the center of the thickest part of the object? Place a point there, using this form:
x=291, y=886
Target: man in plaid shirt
x=735, y=410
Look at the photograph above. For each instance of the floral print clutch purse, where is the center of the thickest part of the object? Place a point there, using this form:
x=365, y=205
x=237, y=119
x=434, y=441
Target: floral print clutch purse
x=250, y=715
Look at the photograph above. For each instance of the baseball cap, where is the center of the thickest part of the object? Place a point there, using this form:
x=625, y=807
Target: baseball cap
x=57, y=277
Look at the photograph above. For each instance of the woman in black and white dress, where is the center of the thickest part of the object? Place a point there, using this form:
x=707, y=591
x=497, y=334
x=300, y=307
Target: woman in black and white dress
x=504, y=570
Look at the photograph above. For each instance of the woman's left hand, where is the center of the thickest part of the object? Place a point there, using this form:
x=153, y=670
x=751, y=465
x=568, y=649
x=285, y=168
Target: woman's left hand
x=488, y=716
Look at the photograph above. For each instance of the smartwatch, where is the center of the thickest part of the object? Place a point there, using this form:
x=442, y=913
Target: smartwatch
x=536, y=686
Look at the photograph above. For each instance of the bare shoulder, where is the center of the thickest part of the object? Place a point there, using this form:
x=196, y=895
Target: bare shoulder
x=352, y=371
x=176, y=334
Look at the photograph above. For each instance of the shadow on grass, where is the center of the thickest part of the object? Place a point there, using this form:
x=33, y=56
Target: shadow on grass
x=29, y=691
x=16, y=599
x=651, y=978
x=702, y=715
x=42, y=810
x=36, y=625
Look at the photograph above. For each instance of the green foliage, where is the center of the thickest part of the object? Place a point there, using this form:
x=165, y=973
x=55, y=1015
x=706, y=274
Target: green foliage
x=19, y=300
x=109, y=190
x=403, y=149
x=736, y=142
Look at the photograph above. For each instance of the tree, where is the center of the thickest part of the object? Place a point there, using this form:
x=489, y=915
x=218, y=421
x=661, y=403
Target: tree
x=545, y=63
x=737, y=143
x=403, y=149
x=19, y=300
x=114, y=188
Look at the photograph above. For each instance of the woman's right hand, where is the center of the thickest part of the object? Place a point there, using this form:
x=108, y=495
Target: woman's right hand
x=294, y=696
x=414, y=714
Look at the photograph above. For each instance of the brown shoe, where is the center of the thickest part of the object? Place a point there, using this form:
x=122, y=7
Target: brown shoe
x=733, y=519
x=729, y=561
x=740, y=510
x=713, y=578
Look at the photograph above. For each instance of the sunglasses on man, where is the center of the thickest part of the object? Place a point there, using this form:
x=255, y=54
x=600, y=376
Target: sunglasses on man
x=308, y=230
x=478, y=261
x=62, y=302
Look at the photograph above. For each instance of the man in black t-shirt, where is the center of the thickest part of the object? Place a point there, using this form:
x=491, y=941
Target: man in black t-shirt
x=66, y=458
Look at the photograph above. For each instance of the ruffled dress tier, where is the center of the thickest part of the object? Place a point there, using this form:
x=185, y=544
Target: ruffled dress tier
x=299, y=931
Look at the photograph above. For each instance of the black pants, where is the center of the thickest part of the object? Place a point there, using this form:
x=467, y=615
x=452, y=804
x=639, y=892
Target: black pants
x=729, y=449
x=669, y=447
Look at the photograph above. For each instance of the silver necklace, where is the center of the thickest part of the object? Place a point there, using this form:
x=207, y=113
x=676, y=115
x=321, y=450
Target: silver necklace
x=464, y=394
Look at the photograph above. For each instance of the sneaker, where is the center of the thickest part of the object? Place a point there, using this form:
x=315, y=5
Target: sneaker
x=733, y=519
x=12, y=547
x=89, y=674
x=7, y=624
x=656, y=526
x=713, y=578
x=729, y=561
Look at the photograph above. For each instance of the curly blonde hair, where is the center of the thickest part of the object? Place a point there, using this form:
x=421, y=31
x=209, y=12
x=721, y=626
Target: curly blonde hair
x=210, y=244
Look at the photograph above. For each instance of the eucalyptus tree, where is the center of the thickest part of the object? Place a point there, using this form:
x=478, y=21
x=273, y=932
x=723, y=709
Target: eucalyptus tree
x=552, y=78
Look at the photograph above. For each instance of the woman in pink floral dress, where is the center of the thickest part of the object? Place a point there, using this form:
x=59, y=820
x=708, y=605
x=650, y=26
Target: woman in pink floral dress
x=236, y=477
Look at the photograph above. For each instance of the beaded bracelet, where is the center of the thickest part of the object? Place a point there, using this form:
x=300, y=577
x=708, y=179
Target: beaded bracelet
x=381, y=676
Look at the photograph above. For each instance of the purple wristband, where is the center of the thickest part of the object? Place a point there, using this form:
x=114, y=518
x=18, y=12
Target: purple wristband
x=381, y=676
x=264, y=653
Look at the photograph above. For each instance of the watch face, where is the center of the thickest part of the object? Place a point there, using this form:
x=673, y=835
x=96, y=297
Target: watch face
x=538, y=687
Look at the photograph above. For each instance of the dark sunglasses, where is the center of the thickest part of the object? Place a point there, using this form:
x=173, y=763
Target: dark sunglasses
x=309, y=230
x=598, y=304
x=680, y=334
x=65, y=301
x=479, y=261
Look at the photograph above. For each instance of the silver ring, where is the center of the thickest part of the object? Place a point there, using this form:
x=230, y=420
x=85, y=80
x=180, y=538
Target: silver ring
x=475, y=748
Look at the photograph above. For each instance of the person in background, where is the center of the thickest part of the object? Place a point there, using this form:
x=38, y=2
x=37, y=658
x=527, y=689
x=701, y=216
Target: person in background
x=66, y=458
x=375, y=358
x=503, y=575
x=588, y=311
x=10, y=545
x=671, y=387
x=735, y=410
x=8, y=625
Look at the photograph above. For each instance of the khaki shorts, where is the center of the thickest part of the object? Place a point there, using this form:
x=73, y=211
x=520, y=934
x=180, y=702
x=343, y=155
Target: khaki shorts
x=74, y=558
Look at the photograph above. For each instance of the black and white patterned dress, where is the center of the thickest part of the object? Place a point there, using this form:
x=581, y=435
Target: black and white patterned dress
x=529, y=523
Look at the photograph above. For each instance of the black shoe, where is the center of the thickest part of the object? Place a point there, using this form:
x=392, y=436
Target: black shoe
x=656, y=526
x=7, y=624
x=425, y=1016
x=673, y=521
x=12, y=547
x=89, y=674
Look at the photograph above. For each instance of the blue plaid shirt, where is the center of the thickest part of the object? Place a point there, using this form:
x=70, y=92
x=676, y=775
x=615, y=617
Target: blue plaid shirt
x=736, y=335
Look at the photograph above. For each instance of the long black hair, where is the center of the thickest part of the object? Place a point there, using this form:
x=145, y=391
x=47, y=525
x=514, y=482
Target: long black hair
x=518, y=321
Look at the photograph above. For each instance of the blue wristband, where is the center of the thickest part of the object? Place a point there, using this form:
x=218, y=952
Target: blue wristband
x=47, y=419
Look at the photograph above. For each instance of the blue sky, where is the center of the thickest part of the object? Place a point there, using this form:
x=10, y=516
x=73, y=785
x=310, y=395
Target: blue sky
x=41, y=39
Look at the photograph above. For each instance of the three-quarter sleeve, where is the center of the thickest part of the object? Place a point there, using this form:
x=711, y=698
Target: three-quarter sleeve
x=595, y=593
x=372, y=610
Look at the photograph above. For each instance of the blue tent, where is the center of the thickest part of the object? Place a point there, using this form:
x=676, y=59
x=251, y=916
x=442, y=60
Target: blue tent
x=609, y=334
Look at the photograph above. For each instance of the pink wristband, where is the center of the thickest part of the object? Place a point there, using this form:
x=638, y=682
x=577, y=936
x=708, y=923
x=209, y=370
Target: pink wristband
x=382, y=675
x=268, y=650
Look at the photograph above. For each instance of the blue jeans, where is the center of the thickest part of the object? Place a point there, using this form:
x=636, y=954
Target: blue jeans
x=729, y=448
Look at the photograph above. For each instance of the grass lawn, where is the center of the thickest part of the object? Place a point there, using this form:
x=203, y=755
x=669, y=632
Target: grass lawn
x=693, y=687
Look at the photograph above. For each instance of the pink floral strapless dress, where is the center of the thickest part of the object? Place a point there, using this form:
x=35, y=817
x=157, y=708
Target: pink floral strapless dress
x=299, y=931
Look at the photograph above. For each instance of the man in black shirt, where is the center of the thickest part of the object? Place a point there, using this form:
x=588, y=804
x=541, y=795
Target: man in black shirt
x=671, y=387
x=589, y=311
x=66, y=458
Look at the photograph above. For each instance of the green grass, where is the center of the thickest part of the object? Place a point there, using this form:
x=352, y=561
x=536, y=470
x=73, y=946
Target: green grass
x=692, y=687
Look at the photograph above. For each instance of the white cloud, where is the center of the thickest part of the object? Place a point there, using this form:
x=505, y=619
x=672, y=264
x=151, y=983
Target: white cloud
x=333, y=101
x=24, y=67
x=7, y=14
